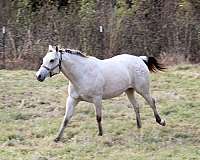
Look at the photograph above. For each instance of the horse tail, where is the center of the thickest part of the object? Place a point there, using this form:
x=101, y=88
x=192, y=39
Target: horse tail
x=152, y=64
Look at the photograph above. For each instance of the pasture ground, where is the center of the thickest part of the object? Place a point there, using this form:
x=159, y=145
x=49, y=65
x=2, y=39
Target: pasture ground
x=31, y=113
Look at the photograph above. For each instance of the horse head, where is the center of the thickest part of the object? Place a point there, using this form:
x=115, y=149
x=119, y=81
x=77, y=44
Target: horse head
x=51, y=64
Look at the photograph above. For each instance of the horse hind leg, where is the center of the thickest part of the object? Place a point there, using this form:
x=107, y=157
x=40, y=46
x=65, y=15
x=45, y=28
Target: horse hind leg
x=151, y=102
x=143, y=90
x=134, y=104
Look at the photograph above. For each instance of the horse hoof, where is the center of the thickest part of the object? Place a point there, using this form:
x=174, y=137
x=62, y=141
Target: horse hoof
x=56, y=139
x=139, y=126
x=162, y=122
x=100, y=134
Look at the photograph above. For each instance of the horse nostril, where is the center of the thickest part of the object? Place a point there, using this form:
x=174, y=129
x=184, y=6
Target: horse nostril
x=39, y=76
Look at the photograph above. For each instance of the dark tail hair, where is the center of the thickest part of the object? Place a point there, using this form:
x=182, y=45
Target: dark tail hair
x=153, y=64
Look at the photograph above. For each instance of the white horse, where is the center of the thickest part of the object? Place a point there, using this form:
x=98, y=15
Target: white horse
x=92, y=80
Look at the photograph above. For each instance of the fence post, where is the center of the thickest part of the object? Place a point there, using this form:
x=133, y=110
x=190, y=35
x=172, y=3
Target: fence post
x=101, y=36
x=3, y=42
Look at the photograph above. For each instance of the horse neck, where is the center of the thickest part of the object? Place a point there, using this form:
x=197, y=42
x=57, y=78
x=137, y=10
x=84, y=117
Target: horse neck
x=73, y=67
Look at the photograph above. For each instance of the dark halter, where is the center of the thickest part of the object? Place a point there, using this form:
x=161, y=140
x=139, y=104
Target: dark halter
x=58, y=65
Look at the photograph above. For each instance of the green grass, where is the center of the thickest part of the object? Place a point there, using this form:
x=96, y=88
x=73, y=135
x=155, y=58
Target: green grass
x=31, y=113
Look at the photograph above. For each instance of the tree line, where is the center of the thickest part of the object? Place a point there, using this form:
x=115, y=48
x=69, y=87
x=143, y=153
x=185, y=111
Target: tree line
x=167, y=29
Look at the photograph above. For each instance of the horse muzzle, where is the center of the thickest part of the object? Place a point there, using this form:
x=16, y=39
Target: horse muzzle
x=41, y=74
x=40, y=77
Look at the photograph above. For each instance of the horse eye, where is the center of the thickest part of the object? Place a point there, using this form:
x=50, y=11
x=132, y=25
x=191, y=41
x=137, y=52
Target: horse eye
x=52, y=60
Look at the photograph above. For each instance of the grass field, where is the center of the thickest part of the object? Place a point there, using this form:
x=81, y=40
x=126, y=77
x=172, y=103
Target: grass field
x=31, y=113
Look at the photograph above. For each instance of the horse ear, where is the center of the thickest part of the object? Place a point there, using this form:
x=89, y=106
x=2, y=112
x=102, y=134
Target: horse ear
x=56, y=48
x=50, y=47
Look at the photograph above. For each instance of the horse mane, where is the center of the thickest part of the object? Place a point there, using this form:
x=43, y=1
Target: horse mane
x=75, y=52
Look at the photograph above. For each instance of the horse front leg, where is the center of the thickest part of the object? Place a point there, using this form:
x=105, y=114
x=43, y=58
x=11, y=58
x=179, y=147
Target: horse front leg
x=70, y=104
x=98, y=110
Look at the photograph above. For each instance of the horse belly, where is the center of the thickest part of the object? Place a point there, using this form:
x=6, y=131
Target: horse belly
x=115, y=87
x=109, y=95
x=118, y=76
